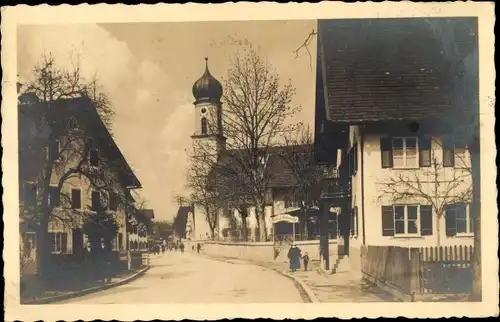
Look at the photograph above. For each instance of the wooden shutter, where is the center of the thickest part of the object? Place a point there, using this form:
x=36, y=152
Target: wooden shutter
x=352, y=224
x=451, y=220
x=448, y=152
x=424, y=145
x=386, y=152
x=96, y=200
x=355, y=157
x=64, y=243
x=387, y=221
x=425, y=220
x=472, y=218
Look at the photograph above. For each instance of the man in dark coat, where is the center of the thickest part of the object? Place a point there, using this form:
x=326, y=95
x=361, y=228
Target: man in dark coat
x=294, y=257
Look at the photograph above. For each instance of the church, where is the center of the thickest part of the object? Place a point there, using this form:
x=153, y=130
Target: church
x=207, y=92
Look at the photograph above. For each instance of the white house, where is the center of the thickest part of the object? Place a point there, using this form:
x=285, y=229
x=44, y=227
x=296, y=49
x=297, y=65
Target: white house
x=388, y=98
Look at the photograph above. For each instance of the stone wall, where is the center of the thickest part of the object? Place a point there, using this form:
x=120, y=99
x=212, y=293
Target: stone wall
x=261, y=251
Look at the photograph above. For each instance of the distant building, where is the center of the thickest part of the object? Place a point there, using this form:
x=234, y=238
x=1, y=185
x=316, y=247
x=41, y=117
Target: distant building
x=140, y=231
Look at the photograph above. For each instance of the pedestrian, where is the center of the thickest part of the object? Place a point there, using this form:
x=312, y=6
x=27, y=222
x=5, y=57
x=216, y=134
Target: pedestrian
x=294, y=257
x=305, y=258
x=192, y=248
x=181, y=246
x=198, y=247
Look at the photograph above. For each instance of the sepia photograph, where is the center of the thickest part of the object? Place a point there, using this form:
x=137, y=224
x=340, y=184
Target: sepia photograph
x=325, y=160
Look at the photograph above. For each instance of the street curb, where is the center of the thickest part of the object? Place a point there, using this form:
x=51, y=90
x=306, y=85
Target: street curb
x=298, y=282
x=87, y=291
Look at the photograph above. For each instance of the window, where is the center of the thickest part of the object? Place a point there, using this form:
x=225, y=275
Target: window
x=424, y=144
x=406, y=220
x=115, y=243
x=332, y=226
x=96, y=200
x=76, y=199
x=59, y=242
x=404, y=152
x=353, y=159
x=459, y=219
x=114, y=200
x=30, y=194
x=53, y=150
x=203, y=125
x=94, y=157
x=54, y=197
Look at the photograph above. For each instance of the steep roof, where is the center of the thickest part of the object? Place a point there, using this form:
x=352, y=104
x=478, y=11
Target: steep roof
x=390, y=69
x=84, y=113
x=278, y=171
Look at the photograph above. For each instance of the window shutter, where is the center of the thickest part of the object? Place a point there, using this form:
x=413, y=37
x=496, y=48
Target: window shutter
x=448, y=152
x=451, y=220
x=386, y=152
x=96, y=200
x=64, y=243
x=424, y=144
x=387, y=221
x=426, y=220
x=355, y=157
x=472, y=218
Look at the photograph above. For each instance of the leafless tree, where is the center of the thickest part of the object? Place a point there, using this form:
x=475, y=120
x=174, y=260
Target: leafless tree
x=436, y=185
x=256, y=110
x=203, y=191
x=298, y=154
x=66, y=148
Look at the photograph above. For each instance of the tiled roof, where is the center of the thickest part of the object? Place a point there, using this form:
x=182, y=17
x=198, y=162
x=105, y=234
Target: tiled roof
x=277, y=170
x=388, y=69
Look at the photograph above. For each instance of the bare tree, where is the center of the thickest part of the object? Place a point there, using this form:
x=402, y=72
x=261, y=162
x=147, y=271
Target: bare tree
x=68, y=148
x=436, y=185
x=203, y=191
x=256, y=110
x=298, y=154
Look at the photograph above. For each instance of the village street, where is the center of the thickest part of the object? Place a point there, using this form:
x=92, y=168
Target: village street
x=188, y=278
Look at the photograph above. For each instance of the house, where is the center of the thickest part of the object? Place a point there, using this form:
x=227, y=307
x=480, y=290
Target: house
x=388, y=98
x=284, y=191
x=79, y=151
x=140, y=229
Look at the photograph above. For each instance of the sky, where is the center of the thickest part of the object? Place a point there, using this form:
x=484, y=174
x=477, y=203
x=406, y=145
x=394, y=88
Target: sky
x=148, y=70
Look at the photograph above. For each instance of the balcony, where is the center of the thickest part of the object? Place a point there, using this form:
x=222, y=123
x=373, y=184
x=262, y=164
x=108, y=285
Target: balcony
x=329, y=172
x=335, y=189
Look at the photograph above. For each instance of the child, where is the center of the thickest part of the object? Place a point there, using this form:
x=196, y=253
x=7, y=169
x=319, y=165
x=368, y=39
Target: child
x=306, y=261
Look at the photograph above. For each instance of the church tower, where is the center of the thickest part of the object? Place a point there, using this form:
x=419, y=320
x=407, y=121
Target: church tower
x=208, y=138
x=207, y=92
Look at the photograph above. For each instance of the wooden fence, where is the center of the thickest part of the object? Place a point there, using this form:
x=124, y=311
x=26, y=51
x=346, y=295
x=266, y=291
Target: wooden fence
x=445, y=270
x=429, y=270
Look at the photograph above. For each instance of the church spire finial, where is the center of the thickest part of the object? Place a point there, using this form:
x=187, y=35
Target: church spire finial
x=206, y=63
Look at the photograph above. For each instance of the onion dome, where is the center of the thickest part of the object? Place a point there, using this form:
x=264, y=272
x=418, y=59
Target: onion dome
x=207, y=88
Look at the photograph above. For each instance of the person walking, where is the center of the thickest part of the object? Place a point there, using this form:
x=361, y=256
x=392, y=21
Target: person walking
x=198, y=247
x=181, y=246
x=305, y=258
x=294, y=257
